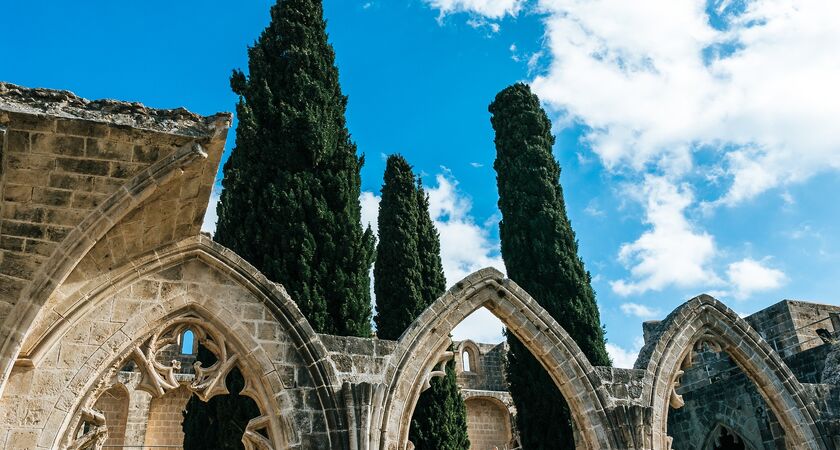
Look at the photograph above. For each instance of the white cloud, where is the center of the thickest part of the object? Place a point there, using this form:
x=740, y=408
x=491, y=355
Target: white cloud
x=478, y=22
x=640, y=311
x=656, y=82
x=480, y=326
x=622, y=357
x=465, y=245
x=749, y=276
x=672, y=251
x=593, y=209
x=370, y=210
x=477, y=165
x=493, y=9
x=211, y=216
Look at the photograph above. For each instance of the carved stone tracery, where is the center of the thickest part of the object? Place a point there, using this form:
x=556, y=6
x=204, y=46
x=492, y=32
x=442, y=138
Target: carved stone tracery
x=91, y=432
x=159, y=378
x=439, y=368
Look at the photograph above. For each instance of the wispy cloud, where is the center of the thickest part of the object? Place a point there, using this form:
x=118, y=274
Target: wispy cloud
x=593, y=209
x=749, y=276
x=492, y=9
x=672, y=251
x=370, y=210
x=625, y=358
x=466, y=246
x=640, y=311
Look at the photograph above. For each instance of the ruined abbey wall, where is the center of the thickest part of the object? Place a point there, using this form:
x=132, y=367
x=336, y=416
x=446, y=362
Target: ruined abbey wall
x=103, y=270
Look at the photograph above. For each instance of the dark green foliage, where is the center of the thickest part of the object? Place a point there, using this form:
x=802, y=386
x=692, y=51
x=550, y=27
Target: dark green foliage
x=540, y=253
x=428, y=250
x=290, y=204
x=397, y=274
x=219, y=423
x=408, y=277
x=440, y=417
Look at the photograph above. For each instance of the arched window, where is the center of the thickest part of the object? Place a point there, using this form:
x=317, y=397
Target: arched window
x=188, y=342
x=467, y=358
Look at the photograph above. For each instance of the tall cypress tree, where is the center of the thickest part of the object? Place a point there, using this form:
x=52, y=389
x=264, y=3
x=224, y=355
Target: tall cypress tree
x=541, y=254
x=397, y=274
x=408, y=277
x=290, y=203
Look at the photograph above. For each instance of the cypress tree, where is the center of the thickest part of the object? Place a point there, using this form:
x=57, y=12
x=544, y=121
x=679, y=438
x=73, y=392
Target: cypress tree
x=408, y=277
x=290, y=203
x=541, y=254
x=440, y=417
x=397, y=275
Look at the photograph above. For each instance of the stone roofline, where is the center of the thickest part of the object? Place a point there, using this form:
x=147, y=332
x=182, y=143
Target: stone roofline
x=800, y=302
x=65, y=104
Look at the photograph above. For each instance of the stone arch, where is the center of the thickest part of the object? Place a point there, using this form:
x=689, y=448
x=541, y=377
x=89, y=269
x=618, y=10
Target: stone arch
x=78, y=243
x=705, y=319
x=423, y=346
x=271, y=295
x=99, y=373
x=503, y=410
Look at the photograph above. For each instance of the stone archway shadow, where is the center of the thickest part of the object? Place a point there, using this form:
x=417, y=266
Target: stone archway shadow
x=421, y=346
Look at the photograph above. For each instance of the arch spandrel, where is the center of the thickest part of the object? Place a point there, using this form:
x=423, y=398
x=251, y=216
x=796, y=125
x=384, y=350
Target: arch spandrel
x=705, y=319
x=419, y=348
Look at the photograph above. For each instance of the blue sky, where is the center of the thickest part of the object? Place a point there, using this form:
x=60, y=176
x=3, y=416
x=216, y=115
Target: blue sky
x=697, y=138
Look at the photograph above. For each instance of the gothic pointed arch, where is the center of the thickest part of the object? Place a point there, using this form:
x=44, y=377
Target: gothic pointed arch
x=702, y=320
x=200, y=249
x=82, y=424
x=423, y=346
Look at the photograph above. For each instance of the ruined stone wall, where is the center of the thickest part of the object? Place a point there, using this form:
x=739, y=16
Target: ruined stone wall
x=62, y=158
x=717, y=392
x=114, y=403
x=358, y=359
x=791, y=326
x=488, y=371
x=103, y=202
x=33, y=396
x=488, y=424
x=166, y=415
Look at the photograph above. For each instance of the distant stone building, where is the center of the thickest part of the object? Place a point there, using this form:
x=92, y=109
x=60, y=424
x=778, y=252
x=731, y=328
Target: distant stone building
x=490, y=410
x=107, y=284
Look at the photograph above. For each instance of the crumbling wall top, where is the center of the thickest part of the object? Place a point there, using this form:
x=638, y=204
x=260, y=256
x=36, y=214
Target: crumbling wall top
x=65, y=104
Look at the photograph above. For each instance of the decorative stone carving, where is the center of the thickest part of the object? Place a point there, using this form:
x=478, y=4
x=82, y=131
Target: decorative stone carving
x=438, y=369
x=159, y=378
x=91, y=432
x=676, y=401
x=256, y=434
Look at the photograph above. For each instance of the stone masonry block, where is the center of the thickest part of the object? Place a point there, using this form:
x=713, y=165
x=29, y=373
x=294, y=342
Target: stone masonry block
x=83, y=166
x=57, y=144
x=81, y=128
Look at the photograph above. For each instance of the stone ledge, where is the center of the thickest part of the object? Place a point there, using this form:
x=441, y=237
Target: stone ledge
x=65, y=104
